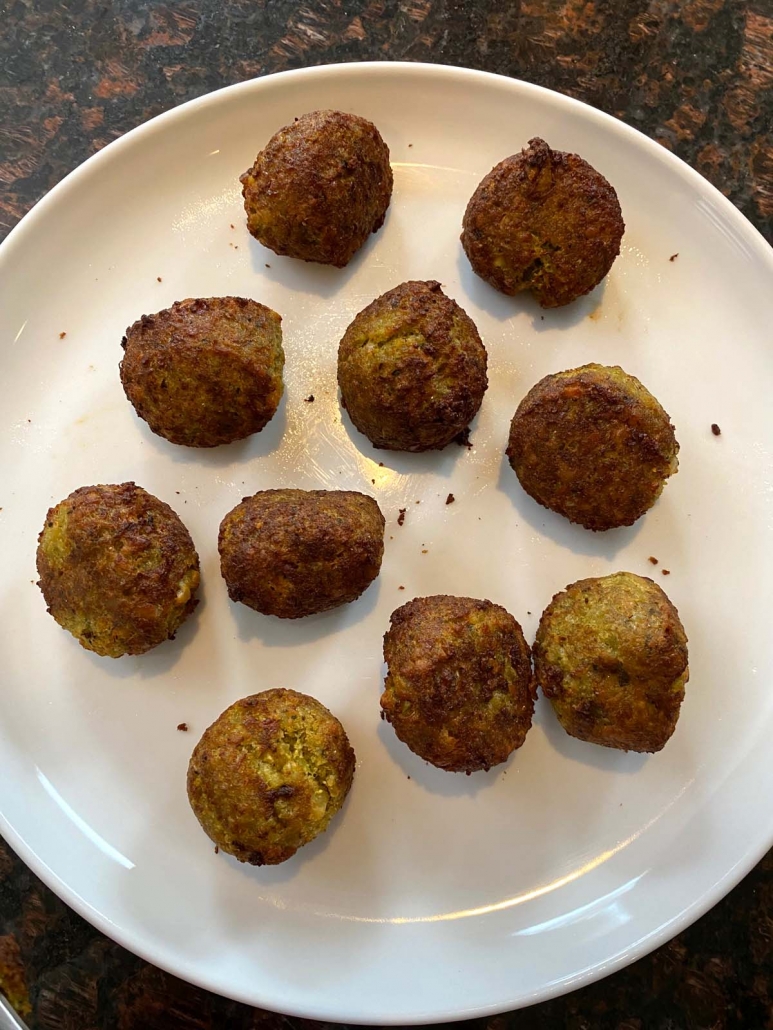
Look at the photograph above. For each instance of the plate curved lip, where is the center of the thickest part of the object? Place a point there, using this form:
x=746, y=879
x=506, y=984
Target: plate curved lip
x=679, y=921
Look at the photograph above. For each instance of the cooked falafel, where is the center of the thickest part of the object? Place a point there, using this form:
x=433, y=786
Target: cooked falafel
x=594, y=445
x=611, y=656
x=292, y=553
x=412, y=369
x=320, y=188
x=269, y=774
x=459, y=689
x=544, y=221
x=117, y=569
x=206, y=371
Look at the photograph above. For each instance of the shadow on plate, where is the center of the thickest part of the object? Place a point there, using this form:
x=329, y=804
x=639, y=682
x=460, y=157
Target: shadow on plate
x=576, y=538
x=276, y=632
x=308, y=276
x=259, y=445
x=607, y=758
x=430, y=778
x=502, y=307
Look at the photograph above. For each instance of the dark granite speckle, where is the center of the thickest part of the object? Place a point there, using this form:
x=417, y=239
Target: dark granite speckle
x=697, y=75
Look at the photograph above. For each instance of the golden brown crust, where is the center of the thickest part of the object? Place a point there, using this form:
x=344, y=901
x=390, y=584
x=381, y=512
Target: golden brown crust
x=546, y=221
x=412, y=368
x=611, y=655
x=593, y=445
x=320, y=188
x=292, y=553
x=459, y=689
x=269, y=774
x=117, y=569
x=206, y=371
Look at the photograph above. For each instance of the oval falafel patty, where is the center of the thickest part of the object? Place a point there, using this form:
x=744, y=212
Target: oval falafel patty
x=205, y=372
x=117, y=569
x=320, y=188
x=611, y=656
x=593, y=445
x=269, y=774
x=544, y=221
x=292, y=553
x=459, y=689
x=412, y=369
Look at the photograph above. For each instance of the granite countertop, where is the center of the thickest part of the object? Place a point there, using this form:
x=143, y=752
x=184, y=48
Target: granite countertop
x=695, y=75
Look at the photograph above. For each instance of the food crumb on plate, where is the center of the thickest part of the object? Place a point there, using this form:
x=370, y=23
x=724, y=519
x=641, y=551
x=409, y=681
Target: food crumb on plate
x=159, y=279
x=674, y=256
x=401, y=517
x=62, y=335
x=463, y=438
x=450, y=499
x=715, y=429
x=399, y=588
x=652, y=561
x=309, y=399
x=217, y=850
x=425, y=551
x=182, y=727
x=666, y=572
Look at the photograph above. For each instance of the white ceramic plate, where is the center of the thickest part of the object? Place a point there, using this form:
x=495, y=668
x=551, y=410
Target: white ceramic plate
x=434, y=895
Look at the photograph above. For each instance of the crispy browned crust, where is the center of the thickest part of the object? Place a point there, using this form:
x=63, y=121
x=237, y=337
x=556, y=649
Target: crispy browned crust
x=611, y=655
x=292, y=553
x=206, y=371
x=412, y=369
x=269, y=774
x=459, y=689
x=544, y=221
x=320, y=188
x=117, y=568
x=593, y=445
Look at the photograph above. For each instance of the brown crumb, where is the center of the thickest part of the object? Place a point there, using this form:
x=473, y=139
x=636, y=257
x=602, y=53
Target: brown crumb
x=463, y=438
x=450, y=499
x=236, y=246
x=425, y=551
x=381, y=464
x=542, y=318
x=391, y=538
x=373, y=481
x=715, y=429
x=528, y=613
x=674, y=257
x=654, y=561
x=182, y=727
x=666, y=572
x=399, y=588
x=62, y=335
x=309, y=399
x=268, y=265
x=232, y=225
x=217, y=850
x=401, y=517
x=418, y=502
x=159, y=279
x=410, y=145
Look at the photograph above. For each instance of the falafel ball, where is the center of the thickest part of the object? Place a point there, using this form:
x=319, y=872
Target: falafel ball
x=269, y=774
x=611, y=656
x=593, y=445
x=459, y=689
x=292, y=553
x=320, y=188
x=412, y=369
x=544, y=221
x=205, y=372
x=117, y=569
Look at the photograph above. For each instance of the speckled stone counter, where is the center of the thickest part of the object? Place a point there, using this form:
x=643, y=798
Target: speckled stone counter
x=696, y=75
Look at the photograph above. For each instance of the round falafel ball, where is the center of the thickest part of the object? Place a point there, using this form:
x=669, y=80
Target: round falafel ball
x=292, y=553
x=593, y=445
x=205, y=372
x=459, y=689
x=412, y=369
x=611, y=656
x=269, y=774
x=544, y=221
x=320, y=188
x=117, y=569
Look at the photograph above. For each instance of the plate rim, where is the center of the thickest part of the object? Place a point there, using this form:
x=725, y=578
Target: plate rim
x=763, y=252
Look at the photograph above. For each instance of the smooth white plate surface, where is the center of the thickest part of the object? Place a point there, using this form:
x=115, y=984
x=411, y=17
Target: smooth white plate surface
x=433, y=895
